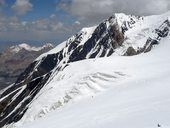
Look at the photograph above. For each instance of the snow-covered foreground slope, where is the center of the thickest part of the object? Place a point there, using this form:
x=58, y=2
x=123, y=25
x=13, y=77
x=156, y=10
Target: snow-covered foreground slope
x=138, y=94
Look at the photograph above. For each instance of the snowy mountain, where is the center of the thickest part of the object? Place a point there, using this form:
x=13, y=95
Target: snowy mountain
x=15, y=59
x=93, y=79
x=27, y=47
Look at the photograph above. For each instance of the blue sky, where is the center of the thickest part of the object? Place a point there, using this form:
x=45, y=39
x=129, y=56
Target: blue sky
x=41, y=21
x=41, y=9
x=35, y=21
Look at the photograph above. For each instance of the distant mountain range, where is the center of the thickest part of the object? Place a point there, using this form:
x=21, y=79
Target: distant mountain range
x=15, y=59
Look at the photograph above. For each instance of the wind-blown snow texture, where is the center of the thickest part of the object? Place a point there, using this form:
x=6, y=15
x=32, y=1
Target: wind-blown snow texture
x=138, y=85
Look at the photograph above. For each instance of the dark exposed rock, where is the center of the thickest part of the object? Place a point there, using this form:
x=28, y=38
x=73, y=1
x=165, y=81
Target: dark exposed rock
x=161, y=32
x=102, y=35
x=149, y=44
x=130, y=52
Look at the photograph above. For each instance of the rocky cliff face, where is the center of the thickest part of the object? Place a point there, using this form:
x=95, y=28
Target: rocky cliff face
x=108, y=38
x=15, y=59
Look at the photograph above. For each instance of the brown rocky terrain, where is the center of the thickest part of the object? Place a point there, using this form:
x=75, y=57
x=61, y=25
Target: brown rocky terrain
x=15, y=59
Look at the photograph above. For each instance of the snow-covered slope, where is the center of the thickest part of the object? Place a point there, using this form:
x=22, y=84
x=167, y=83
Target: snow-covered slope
x=71, y=76
x=138, y=94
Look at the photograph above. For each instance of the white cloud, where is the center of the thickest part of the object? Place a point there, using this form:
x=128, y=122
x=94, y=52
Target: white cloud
x=22, y=6
x=157, y=6
x=13, y=29
x=52, y=16
x=2, y=2
x=77, y=22
x=92, y=11
x=88, y=12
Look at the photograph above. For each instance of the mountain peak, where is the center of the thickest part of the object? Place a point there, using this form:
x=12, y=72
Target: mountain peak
x=27, y=47
x=24, y=45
